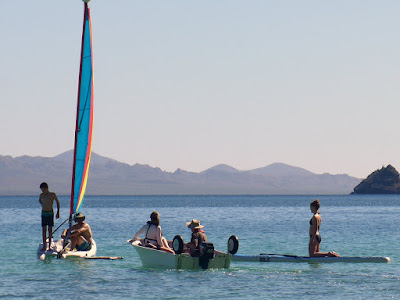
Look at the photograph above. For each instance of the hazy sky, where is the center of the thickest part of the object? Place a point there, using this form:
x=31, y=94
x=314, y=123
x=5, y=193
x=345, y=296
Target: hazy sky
x=191, y=84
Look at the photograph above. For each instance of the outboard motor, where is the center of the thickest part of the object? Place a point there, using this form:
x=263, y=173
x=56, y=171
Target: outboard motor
x=206, y=253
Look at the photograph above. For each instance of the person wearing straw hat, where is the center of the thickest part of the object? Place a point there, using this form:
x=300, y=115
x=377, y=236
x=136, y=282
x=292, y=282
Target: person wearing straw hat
x=81, y=234
x=198, y=237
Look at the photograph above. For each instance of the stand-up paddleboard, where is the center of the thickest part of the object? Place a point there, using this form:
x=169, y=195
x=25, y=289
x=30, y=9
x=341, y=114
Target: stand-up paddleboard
x=305, y=259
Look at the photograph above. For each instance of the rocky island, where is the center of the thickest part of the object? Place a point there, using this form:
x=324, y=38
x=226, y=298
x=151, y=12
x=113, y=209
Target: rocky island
x=382, y=181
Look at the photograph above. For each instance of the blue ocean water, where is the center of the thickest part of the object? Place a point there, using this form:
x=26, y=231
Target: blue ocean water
x=351, y=225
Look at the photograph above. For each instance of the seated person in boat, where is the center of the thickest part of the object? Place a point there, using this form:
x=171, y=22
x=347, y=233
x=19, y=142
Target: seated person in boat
x=153, y=237
x=198, y=237
x=315, y=237
x=80, y=235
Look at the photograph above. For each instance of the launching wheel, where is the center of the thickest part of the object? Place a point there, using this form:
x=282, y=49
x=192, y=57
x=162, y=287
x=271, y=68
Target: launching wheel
x=233, y=244
x=177, y=244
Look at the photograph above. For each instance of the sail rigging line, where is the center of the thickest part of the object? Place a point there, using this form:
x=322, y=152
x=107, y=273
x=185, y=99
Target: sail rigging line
x=65, y=243
x=60, y=225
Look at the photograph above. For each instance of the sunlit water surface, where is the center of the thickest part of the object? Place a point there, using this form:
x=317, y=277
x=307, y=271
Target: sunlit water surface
x=351, y=226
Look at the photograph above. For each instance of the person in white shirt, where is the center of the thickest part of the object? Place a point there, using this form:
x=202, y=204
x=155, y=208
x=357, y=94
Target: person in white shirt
x=153, y=237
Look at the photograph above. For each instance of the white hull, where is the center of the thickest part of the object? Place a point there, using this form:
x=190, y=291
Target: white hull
x=58, y=246
x=305, y=259
x=153, y=258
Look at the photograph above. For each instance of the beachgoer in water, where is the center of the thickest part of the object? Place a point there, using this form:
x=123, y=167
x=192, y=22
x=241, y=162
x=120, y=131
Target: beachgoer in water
x=153, y=237
x=198, y=237
x=46, y=199
x=315, y=237
x=80, y=235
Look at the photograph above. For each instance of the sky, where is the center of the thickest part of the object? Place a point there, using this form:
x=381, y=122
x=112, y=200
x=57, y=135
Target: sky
x=192, y=84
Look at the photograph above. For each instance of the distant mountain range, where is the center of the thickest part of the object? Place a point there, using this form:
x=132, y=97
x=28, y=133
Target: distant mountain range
x=23, y=175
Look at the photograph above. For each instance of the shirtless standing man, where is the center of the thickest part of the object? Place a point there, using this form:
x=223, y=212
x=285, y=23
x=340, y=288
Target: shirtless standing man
x=46, y=199
x=81, y=234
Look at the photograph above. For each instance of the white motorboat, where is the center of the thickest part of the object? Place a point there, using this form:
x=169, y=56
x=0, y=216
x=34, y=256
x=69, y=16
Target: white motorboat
x=209, y=258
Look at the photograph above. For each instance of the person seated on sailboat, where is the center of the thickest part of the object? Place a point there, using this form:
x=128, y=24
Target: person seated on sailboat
x=81, y=234
x=153, y=237
x=198, y=237
x=315, y=237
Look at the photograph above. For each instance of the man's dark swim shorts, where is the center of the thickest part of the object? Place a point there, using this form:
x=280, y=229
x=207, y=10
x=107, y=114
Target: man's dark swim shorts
x=85, y=246
x=47, y=218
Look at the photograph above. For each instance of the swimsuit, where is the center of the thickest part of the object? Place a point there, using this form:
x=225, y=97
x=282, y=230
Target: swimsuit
x=318, y=237
x=47, y=218
x=148, y=242
x=85, y=246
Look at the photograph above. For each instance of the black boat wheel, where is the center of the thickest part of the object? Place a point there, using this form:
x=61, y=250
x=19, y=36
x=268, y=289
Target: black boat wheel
x=233, y=244
x=177, y=244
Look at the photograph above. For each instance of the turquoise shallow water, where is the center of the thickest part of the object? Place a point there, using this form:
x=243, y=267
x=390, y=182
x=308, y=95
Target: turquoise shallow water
x=351, y=225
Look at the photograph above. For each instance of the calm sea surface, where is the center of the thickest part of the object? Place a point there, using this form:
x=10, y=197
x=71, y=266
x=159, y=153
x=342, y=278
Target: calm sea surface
x=351, y=226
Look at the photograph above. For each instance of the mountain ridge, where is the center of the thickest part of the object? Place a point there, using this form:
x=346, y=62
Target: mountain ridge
x=22, y=176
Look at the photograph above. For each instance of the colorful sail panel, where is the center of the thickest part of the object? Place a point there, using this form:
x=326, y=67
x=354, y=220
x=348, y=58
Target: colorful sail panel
x=84, y=118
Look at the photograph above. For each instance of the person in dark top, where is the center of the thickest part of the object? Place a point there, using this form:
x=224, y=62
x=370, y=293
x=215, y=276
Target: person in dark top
x=315, y=237
x=198, y=237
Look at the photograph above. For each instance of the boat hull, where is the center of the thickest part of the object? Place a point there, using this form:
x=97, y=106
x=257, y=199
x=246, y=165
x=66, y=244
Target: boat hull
x=305, y=259
x=153, y=258
x=58, y=246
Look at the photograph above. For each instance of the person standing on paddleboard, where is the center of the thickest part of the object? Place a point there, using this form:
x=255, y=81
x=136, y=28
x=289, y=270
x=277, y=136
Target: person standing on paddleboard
x=315, y=237
x=46, y=199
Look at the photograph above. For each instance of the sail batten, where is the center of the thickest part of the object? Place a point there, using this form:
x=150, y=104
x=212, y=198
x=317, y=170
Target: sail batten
x=84, y=119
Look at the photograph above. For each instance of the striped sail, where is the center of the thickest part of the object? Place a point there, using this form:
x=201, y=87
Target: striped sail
x=84, y=119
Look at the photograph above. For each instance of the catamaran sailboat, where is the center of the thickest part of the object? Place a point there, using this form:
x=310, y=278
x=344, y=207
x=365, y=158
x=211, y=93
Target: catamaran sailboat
x=83, y=142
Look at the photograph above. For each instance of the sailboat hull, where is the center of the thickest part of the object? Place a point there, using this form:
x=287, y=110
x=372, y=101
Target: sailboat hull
x=58, y=246
x=152, y=258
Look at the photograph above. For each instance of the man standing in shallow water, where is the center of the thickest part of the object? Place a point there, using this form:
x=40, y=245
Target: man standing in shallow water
x=46, y=199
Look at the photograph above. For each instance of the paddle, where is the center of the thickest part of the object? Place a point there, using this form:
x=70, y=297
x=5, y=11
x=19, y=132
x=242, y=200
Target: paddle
x=59, y=254
x=105, y=257
x=60, y=226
